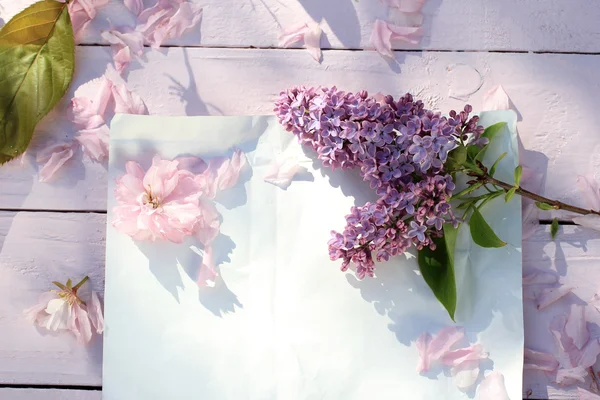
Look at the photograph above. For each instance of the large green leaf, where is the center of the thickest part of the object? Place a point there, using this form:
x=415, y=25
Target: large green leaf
x=482, y=232
x=37, y=57
x=437, y=268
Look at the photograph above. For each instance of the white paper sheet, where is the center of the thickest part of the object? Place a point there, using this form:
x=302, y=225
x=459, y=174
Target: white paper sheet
x=283, y=322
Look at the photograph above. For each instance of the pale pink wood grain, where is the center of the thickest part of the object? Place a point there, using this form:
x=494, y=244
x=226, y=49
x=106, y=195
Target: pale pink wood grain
x=36, y=249
x=49, y=394
x=555, y=95
x=535, y=25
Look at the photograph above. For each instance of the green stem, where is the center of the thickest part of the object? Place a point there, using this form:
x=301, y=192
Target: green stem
x=80, y=284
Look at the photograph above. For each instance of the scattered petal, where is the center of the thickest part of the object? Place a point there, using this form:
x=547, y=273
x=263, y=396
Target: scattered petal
x=383, y=33
x=95, y=142
x=444, y=341
x=125, y=44
x=84, y=113
x=208, y=225
x=95, y=312
x=549, y=296
x=281, y=172
x=422, y=344
x=127, y=102
x=539, y=361
x=459, y=356
x=591, y=191
x=465, y=374
x=82, y=12
x=164, y=25
x=571, y=376
x=591, y=221
x=135, y=6
x=54, y=158
x=208, y=272
x=310, y=35
x=222, y=173
x=588, y=355
x=406, y=6
x=567, y=352
x=576, y=326
x=495, y=99
x=585, y=395
x=79, y=324
x=493, y=387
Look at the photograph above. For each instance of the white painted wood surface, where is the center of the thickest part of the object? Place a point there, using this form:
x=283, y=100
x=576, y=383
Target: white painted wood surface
x=556, y=97
x=49, y=394
x=533, y=25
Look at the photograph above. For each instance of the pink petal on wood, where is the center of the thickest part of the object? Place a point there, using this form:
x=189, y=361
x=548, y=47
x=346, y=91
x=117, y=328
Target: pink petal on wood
x=135, y=6
x=422, y=344
x=444, y=341
x=465, y=374
x=383, y=33
x=458, y=356
x=312, y=42
x=84, y=113
x=407, y=6
x=94, y=309
x=54, y=158
x=95, y=142
x=585, y=395
x=549, y=296
x=539, y=361
x=590, y=221
x=292, y=35
x=493, y=388
x=571, y=376
x=127, y=102
x=495, y=99
x=186, y=17
x=567, y=352
x=588, y=354
x=589, y=188
x=576, y=326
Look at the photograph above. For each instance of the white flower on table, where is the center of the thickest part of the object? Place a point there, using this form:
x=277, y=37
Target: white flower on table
x=71, y=308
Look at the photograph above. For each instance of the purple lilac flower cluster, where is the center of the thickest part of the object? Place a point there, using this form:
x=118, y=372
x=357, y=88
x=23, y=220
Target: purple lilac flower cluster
x=400, y=148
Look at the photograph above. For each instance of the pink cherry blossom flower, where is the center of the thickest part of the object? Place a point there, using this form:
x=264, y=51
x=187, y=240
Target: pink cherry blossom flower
x=159, y=204
x=68, y=309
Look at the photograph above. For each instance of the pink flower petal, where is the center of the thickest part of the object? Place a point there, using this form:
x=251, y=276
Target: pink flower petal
x=465, y=374
x=94, y=309
x=585, y=395
x=36, y=312
x=229, y=170
x=135, y=6
x=127, y=102
x=590, y=221
x=422, y=344
x=187, y=16
x=539, y=361
x=292, y=35
x=54, y=158
x=459, y=356
x=590, y=190
x=125, y=44
x=281, y=172
x=444, y=340
x=568, y=356
x=208, y=224
x=383, y=33
x=534, y=276
x=495, y=99
x=407, y=6
x=576, y=327
x=208, y=272
x=84, y=113
x=571, y=376
x=588, y=354
x=493, y=387
x=95, y=142
x=82, y=12
x=310, y=35
x=549, y=296
x=80, y=325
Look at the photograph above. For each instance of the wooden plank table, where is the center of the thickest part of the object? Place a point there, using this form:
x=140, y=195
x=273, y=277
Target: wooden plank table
x=546, y=54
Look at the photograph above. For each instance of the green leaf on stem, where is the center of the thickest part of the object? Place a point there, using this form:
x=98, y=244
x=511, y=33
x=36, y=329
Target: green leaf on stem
x=554, y=228
x=473, y=167
x=37, y=60
x=518, y=173
x=510, y=194
x=490, y=132
x=468, y=190
x=482, y=232
x=437, y=268
x=544, y=206
x=493, y=169
x=60, y=285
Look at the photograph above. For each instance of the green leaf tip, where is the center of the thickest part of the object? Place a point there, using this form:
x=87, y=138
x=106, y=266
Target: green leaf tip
x=554, y=228
x=482, y=233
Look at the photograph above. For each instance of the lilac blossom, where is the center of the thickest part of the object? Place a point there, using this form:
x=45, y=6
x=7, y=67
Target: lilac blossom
x=399, y=147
